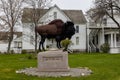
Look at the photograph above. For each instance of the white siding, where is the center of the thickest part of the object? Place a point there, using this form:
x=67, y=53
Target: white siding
x=82, y=39
x=50, y=16
x=3, y=47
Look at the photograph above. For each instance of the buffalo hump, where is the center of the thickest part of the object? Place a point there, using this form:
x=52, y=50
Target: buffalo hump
x=47, y=29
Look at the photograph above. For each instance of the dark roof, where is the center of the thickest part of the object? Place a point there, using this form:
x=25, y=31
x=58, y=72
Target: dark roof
x=76, y=16
x=27, y=14
x=4, y=35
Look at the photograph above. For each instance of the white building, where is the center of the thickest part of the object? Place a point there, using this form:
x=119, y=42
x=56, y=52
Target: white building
x=47, y=15
x=16, y=44
x=105, y=31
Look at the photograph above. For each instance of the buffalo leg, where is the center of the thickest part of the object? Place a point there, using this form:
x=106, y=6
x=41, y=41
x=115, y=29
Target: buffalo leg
x=43, y=46
x=40, y=46
x=58, y=42
x=42, y=42
x=57, y=45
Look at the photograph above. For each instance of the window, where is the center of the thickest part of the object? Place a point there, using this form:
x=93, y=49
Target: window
x=55, y=15
x=106, y=38
x=77, y=29
x=105, y=21
x=117, y=38
x=31, y=27
x=77, y=40
x=17, y=44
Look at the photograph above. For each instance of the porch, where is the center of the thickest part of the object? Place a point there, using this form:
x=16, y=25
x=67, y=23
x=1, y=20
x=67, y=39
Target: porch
x=98, y=36
x=113, y=39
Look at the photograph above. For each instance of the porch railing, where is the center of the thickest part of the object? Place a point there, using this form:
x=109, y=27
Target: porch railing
x=92, y=46
x=118, y=44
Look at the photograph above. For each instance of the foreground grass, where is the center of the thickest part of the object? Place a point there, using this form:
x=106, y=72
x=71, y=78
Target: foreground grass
x=104, y=66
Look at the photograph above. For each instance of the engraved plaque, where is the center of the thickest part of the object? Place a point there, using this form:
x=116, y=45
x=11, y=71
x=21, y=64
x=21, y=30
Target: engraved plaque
x=53, y=58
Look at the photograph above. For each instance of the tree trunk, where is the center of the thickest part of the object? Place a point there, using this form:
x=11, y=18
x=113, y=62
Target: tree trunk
x=35, y=42
x=10, y=41
x=9, y=46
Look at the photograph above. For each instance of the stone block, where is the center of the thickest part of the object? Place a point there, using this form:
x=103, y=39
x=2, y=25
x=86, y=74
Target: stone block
x=53, y=61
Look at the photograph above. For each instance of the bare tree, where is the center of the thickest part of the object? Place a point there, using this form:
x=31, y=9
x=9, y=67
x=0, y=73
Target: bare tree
x=11, y=13
x=110, y=8
x=37, y=6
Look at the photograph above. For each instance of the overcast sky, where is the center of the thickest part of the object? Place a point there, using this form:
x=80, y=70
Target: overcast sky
x=74, y=4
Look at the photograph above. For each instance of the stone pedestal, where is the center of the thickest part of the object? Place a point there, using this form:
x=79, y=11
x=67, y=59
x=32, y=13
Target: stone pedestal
x=53, y=61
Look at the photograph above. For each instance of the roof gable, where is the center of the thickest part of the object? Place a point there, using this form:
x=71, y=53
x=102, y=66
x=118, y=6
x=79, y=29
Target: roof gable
x=48, y=16
x=27, y=14
x=76, y=16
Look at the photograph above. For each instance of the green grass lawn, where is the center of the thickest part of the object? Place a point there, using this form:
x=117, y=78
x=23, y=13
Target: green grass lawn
x=104, y=66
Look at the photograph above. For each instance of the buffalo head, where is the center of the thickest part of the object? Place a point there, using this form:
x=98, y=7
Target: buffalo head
x=69, y=29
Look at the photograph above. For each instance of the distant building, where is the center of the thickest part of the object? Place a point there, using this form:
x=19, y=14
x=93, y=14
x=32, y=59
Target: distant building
x=103, y=31
x=16, y=44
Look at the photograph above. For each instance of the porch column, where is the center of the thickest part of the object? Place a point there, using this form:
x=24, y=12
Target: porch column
x=115, y=43
x=103, y=35
x=111, y=40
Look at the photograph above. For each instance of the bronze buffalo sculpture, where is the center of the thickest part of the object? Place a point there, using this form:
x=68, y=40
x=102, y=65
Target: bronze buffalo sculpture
x=55, y=29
